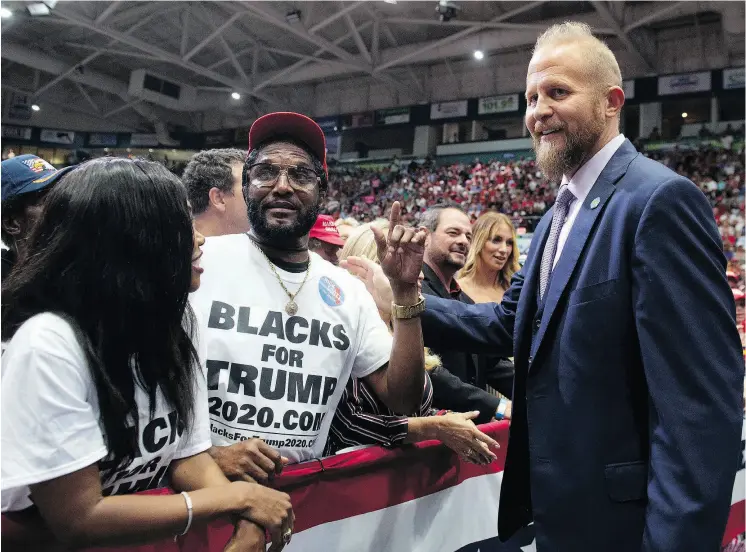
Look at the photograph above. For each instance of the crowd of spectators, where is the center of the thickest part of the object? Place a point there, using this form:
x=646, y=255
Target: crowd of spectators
x=518, y=189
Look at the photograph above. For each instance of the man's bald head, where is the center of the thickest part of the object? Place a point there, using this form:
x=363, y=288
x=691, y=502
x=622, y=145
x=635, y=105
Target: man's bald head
x=601, y=65
x=573, y=98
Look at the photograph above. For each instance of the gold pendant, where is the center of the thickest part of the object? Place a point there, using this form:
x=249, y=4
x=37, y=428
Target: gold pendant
x=291, y=307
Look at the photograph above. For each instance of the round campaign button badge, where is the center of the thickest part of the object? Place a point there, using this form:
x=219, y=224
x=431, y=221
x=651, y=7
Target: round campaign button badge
x=330, y=292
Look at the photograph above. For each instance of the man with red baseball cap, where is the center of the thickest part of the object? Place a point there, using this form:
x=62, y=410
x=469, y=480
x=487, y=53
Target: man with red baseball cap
x=286, y=329
x=324, y=239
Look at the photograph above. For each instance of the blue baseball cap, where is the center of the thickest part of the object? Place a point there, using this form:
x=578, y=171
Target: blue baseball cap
x=27, y=173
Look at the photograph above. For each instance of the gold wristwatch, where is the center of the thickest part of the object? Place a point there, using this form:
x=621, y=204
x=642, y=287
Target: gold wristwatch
x=400, y=312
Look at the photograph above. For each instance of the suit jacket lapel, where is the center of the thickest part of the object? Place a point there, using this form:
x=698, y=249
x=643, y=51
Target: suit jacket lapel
x=530, y=286
x=581, y=230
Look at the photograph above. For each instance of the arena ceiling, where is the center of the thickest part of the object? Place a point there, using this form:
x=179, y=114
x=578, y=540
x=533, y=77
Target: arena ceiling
x=82, y=54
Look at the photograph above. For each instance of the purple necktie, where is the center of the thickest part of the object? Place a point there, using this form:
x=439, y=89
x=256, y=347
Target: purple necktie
x=561, y=206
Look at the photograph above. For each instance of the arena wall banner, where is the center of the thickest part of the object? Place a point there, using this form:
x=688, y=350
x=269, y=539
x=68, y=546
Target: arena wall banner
x=685, y=83
x=333, y=145
x=498, y=104
x=734, y=78
x=54, y=136
x=216, y=139
x=393, y=116
x=420, y=498
x=16, y=132
x=139, y=139
x=448, y=110
x=102, y=139
x=329, y=125
x=20, y=106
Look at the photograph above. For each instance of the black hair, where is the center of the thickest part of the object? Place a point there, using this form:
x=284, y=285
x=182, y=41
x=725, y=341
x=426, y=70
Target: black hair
x=431, y=218
x=318, y=166
x=111, y=253
x=210, y=169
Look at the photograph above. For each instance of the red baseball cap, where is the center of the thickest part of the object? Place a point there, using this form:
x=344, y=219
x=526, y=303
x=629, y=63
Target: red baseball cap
x=325, y=230
x=290, y=124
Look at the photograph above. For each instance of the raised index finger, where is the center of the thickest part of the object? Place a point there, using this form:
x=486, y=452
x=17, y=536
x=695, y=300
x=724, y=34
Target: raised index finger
x=394, y=217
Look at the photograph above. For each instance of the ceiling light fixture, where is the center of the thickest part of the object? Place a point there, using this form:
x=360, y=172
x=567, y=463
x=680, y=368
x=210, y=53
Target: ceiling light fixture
x=236, y=96
x=293, y=17
x=38, y=8
x=684, y=115
x=478, y=54
x=446, y=10
x=35, y=107
x=390, y=1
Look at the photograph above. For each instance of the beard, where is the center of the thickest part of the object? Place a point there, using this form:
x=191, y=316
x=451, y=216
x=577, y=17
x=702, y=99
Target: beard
x=275, y=233
x=455, y=262
x=556, y=161
x=448, y=259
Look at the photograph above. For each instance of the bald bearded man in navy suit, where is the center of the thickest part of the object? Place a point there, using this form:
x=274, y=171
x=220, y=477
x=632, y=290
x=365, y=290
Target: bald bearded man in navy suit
x=627, y=401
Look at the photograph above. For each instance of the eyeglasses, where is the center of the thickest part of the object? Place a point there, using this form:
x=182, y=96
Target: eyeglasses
x=265, y=175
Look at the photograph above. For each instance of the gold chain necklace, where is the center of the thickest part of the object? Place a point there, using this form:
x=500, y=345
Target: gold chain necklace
x=291, y=307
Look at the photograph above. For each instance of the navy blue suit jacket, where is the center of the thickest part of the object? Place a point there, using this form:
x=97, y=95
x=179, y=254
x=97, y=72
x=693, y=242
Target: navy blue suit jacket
x=628, y=408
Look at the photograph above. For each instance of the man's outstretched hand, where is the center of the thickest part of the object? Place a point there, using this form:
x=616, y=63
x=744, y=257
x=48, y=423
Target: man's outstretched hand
x=400, y=254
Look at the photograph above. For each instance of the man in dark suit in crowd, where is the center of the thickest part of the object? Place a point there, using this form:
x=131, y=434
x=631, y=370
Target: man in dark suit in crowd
x=446, y=248
x=627, y=403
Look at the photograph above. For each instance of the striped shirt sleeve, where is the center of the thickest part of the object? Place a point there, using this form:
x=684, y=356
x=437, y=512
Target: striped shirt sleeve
x=361, y=419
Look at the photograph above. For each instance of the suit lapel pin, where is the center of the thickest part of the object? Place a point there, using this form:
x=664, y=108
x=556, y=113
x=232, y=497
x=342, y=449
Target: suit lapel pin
x=595, y=202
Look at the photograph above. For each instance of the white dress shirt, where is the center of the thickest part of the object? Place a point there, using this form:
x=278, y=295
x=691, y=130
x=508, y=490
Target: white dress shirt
x=580, y=185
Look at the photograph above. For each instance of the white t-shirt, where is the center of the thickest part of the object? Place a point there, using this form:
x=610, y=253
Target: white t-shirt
x=275, y=376
x=51, y=421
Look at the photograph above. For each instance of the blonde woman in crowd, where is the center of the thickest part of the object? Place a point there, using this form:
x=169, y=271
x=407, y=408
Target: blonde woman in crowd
x=492, y=259
x=363, y=420
x=490, y=264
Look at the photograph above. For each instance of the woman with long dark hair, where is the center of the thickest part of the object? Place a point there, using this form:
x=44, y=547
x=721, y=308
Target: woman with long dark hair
x=102, y=392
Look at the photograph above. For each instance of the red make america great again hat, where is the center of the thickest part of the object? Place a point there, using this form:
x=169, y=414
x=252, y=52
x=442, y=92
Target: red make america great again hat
x=295, y=125
x=325, y=230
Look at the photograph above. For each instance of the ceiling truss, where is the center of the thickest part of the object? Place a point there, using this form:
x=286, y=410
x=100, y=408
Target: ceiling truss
x=254, y=49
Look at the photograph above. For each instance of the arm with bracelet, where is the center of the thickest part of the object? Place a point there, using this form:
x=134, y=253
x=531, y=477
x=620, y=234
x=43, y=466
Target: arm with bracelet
x=503, y=409
x=86, y=518
x=101, y=506
x=399, y=382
